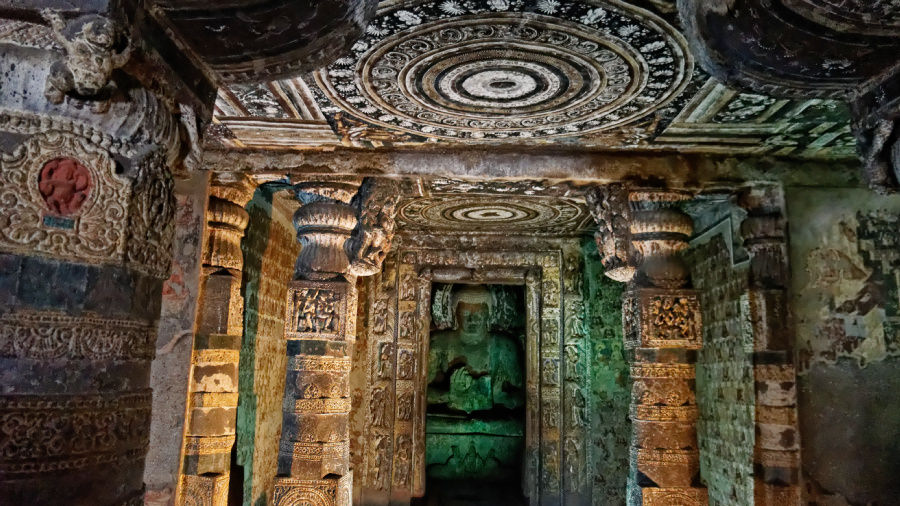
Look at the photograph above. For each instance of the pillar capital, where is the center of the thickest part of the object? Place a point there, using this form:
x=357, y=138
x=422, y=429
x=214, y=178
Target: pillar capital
x=345, y=229
x=640, y=232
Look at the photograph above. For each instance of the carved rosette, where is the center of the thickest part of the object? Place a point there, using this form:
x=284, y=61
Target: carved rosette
x=118, y=219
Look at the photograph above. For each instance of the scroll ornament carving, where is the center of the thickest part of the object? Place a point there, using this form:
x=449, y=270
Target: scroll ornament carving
x=95, y=47
x=151, y=221
x=610, y=209
x=376, y=206
x=44, y=434
x=48, y=336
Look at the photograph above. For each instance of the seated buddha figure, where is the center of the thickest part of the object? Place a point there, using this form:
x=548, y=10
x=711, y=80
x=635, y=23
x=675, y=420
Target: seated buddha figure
x=475, y=389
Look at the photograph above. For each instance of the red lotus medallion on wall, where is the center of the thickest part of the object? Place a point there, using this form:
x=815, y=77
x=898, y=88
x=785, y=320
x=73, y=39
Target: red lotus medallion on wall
x=64, y=184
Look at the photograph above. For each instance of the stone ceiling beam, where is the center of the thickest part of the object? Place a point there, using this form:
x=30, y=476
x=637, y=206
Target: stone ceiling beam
x=686, y=170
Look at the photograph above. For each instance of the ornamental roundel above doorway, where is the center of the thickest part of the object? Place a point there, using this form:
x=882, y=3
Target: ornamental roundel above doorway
x=507, y=69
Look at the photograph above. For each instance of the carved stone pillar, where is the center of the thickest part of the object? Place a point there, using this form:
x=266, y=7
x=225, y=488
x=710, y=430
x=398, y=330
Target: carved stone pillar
x=662, y=326
x=86, y=225
x=213, y=387
x=343, y=234
x=777, y=446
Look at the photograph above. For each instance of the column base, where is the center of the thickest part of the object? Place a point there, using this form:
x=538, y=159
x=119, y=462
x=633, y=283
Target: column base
x=205, y=490
x=692, y=496
x=329, y=491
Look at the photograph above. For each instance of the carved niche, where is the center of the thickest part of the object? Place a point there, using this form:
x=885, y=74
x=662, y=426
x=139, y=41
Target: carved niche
x=392, y=460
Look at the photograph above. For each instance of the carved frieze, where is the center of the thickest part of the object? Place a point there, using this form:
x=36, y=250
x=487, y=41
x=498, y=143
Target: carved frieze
x=61, y=432
x=47, y=336
x=666, y=319
x=316, y=310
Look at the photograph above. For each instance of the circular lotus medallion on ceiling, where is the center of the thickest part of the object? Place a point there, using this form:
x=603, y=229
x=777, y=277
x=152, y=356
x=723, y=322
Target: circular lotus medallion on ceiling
x=492, y=213
x=502, y=69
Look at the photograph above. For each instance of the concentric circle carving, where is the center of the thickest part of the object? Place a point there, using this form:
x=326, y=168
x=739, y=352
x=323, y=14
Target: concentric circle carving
x=492, y=213
x=508, y=69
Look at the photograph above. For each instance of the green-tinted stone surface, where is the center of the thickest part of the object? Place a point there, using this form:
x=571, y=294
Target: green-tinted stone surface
x=475, y=427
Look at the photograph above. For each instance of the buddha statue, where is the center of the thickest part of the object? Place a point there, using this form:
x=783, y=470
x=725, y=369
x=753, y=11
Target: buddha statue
x=475, y=392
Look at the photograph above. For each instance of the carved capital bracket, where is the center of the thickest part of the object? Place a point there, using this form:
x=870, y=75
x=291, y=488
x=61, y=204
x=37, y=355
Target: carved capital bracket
x=345, y=229
x=95, y=46
x=609, y=207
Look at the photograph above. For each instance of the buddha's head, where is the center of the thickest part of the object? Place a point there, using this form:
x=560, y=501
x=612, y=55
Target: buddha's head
x=472, y=310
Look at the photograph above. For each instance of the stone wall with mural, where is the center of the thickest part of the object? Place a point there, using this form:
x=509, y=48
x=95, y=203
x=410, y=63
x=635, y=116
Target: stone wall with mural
x=171, y=366
x=270, y=249
x=725, y=389
x=610, y=382
x=845, y=257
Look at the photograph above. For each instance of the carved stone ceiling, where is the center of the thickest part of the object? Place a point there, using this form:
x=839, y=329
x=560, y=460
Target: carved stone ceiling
x=598, y=74
x=526, y=207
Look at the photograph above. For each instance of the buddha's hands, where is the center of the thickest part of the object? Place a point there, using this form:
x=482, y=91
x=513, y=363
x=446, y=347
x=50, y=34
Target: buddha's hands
x=461, y=380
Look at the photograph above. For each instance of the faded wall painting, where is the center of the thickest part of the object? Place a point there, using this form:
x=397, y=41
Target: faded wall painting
x=845, y=257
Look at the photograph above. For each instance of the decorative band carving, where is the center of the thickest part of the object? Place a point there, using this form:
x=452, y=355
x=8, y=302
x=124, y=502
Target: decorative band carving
x=317, y=451
x=676, y=497
x=665, y=413
x=46, y=336
x=205, y=490
x=43, y=433
x=319, y=363
x=325, y=406
x=667, y=457
x=664, y=371
x=214, y=399
x=208, y=445
x=216, y=356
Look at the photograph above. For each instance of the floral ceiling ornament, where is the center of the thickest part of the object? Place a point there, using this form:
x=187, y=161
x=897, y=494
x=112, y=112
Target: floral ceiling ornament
x=508, y=69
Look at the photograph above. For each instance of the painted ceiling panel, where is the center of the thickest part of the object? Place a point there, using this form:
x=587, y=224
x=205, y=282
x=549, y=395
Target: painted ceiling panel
x=600, y=74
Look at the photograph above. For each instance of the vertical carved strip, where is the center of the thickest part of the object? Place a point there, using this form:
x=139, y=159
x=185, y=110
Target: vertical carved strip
x=532, y=383
x=550, y=380
x=575, y=384
x=777, y=446
x=211, y=414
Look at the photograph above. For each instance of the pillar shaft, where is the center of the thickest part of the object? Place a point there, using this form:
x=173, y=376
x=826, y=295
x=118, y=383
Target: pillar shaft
x=345, y=231
x=213, y=388
x=86, y=227
x=640, y=234
x=777, y=446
